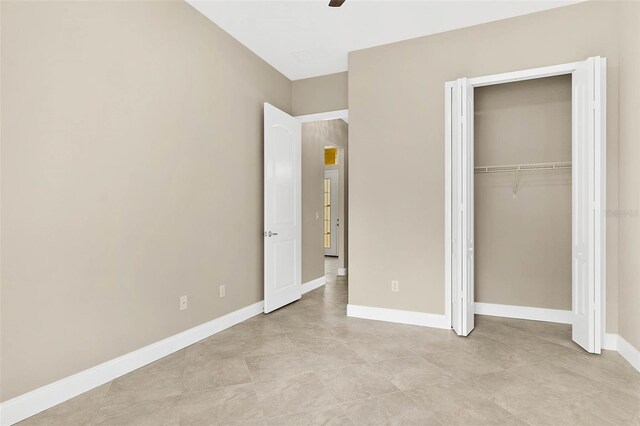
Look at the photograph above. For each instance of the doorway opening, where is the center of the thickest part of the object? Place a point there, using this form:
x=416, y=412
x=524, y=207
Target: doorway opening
x=585, y=159
x=325, y=162
x=325, y=188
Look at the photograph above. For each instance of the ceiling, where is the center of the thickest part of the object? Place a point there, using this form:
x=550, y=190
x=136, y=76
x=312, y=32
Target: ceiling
x=304, y=39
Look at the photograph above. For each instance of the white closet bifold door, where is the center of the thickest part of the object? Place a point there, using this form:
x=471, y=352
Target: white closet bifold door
x=461, y=128
x=588, y=202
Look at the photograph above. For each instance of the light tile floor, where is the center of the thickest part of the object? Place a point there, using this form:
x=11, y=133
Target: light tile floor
x=308, y=364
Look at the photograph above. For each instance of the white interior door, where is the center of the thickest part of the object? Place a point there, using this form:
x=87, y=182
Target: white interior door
x=331, y=216
x=460, y=137
x=588, y=202
x=282, y=207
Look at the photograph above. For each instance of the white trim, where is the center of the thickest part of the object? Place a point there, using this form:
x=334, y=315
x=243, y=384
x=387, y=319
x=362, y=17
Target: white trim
x=31, y=403
x=313, y=284
x=448, y=87
x=628, y=352
x=530, y=74
x=398, y=316
x=329, y=115
x=600, y=197
x=610, y=342
x=342, y=272
x=524, y=312
x=615, y=342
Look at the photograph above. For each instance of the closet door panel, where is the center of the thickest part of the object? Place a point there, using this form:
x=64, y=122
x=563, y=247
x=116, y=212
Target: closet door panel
x=456, y=209
x=586, y=312
x=468, y=316
x=462, y=263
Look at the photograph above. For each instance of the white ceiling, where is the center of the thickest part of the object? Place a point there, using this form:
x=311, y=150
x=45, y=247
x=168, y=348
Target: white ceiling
x=307, y=38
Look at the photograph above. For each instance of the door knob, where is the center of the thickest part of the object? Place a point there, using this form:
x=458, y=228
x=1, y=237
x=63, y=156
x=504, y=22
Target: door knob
x=272, y=233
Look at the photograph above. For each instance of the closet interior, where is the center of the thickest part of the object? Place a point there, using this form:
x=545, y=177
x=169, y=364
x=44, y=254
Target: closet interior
x=522, y=193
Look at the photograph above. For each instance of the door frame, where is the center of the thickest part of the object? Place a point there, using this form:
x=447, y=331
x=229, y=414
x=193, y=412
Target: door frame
x=600, y=173
x=328, y=115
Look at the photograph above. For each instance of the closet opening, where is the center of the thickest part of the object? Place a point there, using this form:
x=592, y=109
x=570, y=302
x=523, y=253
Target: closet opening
x=524, y=187
x=522, y=205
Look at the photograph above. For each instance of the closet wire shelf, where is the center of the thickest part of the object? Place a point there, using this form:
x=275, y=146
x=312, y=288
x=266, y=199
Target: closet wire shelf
x=523, y=167
x=516, y=168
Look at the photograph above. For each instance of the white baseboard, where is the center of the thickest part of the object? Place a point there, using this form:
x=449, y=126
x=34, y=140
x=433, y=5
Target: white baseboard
x=342, y=272
x=610, y=342
x=615, y=342
x=524, y=312
x=31, y=403
x=398, y=316
x=313, y=284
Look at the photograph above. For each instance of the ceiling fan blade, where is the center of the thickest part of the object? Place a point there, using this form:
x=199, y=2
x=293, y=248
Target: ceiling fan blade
x=336, y=3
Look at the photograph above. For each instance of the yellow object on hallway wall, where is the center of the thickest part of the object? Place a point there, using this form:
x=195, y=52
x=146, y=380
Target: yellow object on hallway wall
x=330, y=156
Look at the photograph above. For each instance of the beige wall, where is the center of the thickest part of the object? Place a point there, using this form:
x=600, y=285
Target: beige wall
x=396, y=131
x=523, y=244
x=315, y=136
x=131, y=175
x=629, y=214
x=320, y=94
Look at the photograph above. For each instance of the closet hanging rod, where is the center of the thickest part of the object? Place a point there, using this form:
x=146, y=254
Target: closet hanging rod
x=523, y=167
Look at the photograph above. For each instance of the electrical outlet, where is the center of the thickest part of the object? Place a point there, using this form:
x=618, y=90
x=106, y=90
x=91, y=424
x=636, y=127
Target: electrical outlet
x=184, y=303
x=222, y=291
x=395, y=286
